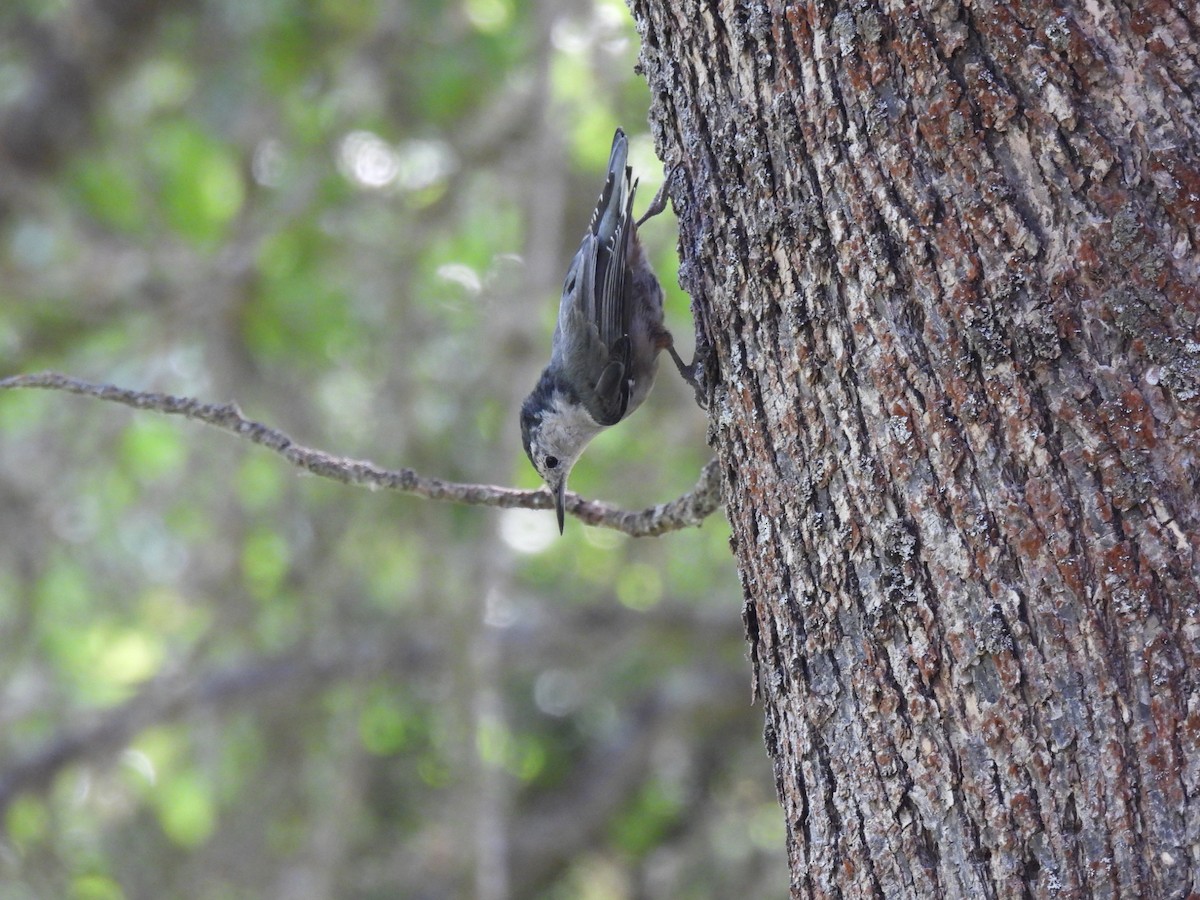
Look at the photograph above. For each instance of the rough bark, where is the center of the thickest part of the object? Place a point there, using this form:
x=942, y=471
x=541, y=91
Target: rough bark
x=946, y=259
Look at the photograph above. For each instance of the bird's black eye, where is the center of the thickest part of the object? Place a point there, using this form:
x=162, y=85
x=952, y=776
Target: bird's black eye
x=551, y=462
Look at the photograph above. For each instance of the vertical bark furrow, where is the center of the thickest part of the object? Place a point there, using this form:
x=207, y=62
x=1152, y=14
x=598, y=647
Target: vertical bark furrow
x=947, y=258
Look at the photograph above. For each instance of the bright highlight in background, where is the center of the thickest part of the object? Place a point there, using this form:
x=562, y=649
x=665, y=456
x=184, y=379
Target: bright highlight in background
x=368, y=159
x=528, y=530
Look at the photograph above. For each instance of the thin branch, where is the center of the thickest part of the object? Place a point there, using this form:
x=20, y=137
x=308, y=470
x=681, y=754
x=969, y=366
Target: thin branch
x=689, y=510
x=304, y=670
x=296, y=672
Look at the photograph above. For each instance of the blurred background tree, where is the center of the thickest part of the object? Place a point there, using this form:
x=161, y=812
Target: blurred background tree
x=222, y=679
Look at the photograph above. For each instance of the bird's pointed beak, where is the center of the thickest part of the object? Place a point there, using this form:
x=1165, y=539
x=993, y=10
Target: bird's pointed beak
x=560, y=503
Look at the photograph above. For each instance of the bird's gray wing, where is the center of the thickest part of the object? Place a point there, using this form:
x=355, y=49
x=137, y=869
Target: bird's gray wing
x=611, y=224
x=613, y=306
x=596, y=368
x=594, y=319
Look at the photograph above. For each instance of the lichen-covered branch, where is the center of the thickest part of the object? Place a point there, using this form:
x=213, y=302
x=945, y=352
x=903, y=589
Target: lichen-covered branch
x=689, y=510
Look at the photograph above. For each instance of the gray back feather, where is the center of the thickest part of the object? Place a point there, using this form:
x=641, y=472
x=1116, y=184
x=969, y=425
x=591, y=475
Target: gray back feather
x=592, y=344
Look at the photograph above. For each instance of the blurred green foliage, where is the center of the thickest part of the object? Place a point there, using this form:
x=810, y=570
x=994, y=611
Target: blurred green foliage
x=222, y=678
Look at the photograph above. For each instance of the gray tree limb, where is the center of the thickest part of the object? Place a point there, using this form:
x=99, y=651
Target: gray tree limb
x=691, y=509
x=297, y=671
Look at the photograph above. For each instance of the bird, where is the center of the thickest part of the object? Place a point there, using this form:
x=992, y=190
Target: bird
x=604, y=353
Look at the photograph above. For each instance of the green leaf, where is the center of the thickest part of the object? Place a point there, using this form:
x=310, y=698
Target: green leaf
x=383, y=727
x=639, y=586
x=265, y=560
x=95, y=887
x=297, y=312
x=21, y=412
x=644, y=826
x=185, y=809
x=259, y=482
x=64, y=592
x=201, y=185
x=287, y=53
x=153, y=449
x=27, y=821
x=127, y=656
x=489, y=16
x=109, y=193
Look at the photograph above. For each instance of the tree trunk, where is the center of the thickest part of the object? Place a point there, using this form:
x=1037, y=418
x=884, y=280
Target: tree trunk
x=946, y=259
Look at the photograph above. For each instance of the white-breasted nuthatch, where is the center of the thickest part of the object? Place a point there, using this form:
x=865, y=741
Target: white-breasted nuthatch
x=606, y=344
